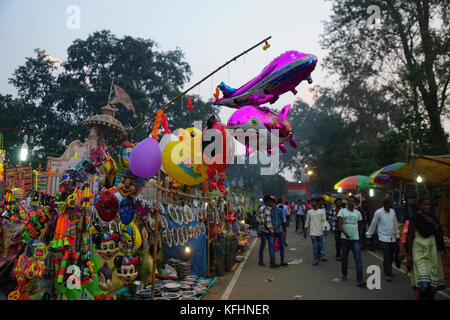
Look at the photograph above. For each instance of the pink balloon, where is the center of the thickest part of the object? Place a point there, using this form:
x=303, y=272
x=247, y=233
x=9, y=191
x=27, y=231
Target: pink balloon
x=145, y=158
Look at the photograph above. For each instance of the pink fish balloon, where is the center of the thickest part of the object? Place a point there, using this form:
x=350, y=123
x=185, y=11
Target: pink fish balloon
x=262, y=118
x=283, y=74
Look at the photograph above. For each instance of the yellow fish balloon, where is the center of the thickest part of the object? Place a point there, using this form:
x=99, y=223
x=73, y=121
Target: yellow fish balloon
x=183, y=161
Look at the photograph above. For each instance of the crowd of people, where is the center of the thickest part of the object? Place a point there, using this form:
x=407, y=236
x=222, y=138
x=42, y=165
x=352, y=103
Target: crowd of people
x=354, y=229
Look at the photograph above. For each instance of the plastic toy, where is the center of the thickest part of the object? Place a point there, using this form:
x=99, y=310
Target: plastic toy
x=107, y=206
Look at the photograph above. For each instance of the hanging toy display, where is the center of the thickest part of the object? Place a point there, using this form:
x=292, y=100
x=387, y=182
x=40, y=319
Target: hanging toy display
x=127, y=210
x=262, y=119
x=283, y=74
x=182, y=160
x=107, y=206
x=145, y=158
x=161, y=119
x=218, y=152
x=189, y=104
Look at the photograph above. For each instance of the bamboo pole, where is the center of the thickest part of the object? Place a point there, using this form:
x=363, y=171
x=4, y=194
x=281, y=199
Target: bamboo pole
x=140, y=124
x=110, y=90
x=155, y=239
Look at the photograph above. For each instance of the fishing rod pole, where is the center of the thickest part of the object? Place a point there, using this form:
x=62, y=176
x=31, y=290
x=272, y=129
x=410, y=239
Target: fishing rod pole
x=140, y=124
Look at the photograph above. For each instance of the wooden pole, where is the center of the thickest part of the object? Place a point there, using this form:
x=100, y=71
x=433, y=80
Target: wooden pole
x=140, y=124
x=155, y=239
x=110, y=90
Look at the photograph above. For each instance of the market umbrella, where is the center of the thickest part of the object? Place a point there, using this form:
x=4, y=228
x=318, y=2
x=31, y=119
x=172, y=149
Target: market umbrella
x=381, y=178
x=354, y=182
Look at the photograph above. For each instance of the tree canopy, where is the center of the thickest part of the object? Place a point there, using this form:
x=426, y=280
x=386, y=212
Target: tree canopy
x=55, y=99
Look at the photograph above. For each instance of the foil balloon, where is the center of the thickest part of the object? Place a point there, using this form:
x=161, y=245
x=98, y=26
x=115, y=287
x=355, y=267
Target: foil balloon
x=181, y=159
x=283, y=74
x=217, y=145
x=163, y=143
x=262, y=119
x=145, y=158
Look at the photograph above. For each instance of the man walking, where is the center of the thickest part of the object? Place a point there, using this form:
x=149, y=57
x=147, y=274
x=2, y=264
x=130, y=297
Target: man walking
x=315, y=220
x=385, y=221
x=300, y=215
x=334, y=226
x=266, y=232
x=326, y=227
x=285, y=224
x=350, y=225
x=278, y=221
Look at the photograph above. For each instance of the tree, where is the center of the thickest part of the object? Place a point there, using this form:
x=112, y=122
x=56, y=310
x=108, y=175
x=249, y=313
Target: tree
x=408, y=54
x=55, y=100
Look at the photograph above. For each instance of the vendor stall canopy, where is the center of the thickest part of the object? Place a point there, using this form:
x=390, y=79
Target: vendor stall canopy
x=434, y=170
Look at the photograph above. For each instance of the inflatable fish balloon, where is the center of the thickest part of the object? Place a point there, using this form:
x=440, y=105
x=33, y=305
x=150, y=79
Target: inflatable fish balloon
x=283, y=74
x=262, y=118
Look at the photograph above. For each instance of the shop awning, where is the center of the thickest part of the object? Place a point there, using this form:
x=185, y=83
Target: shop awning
x=434, y=170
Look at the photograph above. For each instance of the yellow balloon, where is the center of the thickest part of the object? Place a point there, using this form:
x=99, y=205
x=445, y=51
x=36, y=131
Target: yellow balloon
x=182, y=161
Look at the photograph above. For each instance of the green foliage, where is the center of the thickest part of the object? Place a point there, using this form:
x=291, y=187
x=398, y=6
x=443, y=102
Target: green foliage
x=405, y=59
x=56, y=101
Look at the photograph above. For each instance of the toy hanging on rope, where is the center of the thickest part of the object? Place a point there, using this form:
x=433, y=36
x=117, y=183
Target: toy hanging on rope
x=189, y=104
x=161, y=120
x=283, y=74
x=260, y=120
x=182, y=159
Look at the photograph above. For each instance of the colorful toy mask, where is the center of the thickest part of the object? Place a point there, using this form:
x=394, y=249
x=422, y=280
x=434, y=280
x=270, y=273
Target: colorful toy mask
x=262, y=119
x=283, y=74
x=127, y=209
x=129, y=185
x=108, y=171
x=131, y=239
x=107, y=206
x=126, y=268
x=127, y=147
x=107, y=244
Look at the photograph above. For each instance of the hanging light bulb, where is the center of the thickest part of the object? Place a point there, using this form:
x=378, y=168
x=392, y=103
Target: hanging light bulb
x=24, y=149
x=371, y=192
x=419, y=179
x=339, y=189
x=187, y=250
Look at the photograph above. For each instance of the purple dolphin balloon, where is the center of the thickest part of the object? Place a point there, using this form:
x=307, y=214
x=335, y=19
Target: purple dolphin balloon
x=283, y=74
x=260, y=118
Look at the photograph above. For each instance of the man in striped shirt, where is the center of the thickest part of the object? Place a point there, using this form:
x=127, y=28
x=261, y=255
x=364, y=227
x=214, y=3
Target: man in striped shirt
x=266, y=231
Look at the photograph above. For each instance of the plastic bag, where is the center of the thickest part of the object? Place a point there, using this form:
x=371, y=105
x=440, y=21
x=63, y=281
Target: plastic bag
x=169, y=271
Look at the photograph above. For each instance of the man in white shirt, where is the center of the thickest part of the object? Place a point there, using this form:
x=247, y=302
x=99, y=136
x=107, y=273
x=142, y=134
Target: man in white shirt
x=385, y=222
x=315, y=220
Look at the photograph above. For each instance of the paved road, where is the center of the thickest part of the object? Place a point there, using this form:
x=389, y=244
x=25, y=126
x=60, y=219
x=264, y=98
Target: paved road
x=304, y=281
